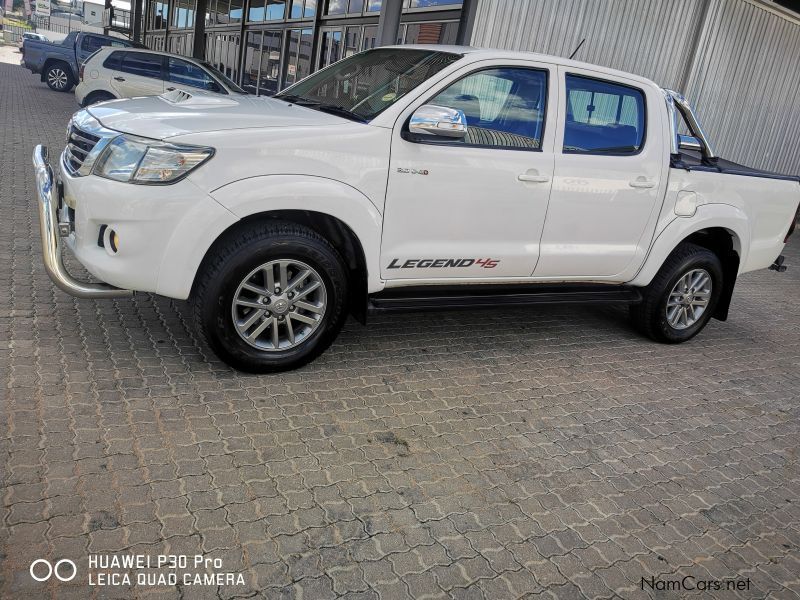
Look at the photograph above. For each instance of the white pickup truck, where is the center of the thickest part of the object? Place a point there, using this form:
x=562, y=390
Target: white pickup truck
x=401, y=178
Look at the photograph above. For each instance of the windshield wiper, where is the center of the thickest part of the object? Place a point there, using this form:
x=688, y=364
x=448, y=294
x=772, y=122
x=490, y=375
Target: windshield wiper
x=295, y=99
x=342, y=112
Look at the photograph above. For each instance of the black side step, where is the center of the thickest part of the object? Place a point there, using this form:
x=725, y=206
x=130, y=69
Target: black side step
x=421, y=298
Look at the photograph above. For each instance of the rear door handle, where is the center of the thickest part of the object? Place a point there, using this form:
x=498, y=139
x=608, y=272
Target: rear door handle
x=119, y=79
x=642, y=183
x=531, y=178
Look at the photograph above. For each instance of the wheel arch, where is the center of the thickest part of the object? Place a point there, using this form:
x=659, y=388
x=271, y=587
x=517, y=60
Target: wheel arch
x=335, y=210
x=95, y=93
x=722, y=229
x=52, y=61
x=336, y=231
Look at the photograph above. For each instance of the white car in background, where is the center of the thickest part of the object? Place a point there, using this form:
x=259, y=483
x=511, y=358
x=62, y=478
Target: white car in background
x=113, y=73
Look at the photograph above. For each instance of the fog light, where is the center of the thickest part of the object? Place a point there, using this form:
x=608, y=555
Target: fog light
x=110, y=240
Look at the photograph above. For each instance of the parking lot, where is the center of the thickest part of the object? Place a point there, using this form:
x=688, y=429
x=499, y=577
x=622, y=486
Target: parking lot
x=493, y=454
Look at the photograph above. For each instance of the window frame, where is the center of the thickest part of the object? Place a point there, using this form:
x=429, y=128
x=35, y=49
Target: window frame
x=406, y=134
x=162, y=74
x=645, y=116
x=222, y=89
x=111, y=54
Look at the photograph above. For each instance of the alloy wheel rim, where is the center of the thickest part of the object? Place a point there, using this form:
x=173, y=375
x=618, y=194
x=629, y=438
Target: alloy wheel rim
x=57, y=78
x=278, y=305
x=689, y=299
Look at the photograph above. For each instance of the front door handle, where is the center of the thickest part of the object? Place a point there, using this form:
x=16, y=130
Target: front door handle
x=170, y=89
x=642, y=183
x=532, y=176
x=119, y=79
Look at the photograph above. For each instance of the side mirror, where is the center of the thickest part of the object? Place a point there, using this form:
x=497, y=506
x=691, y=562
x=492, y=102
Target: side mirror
x=438, y=120
x=213, y=86
x=689, y=142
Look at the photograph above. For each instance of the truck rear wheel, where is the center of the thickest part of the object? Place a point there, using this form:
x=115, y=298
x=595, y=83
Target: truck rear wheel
x=271, y=298
x=58, y=77
x=680, y=300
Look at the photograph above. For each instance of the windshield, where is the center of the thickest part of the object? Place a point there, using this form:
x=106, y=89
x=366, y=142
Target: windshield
x=222, y=77
x=364, y=85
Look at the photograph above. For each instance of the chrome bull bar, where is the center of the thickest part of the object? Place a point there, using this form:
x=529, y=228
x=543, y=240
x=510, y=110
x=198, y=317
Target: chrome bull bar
x=52, y=245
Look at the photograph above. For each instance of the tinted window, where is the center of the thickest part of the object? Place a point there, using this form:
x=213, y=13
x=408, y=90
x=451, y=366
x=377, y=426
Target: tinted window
x=603, y=117
x=504, y=107
x=141, y=63
x=113, y=61
x=92, y=43
x=186, y=73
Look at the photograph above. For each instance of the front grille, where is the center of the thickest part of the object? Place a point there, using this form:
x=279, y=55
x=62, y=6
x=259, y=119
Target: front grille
x=79, y=144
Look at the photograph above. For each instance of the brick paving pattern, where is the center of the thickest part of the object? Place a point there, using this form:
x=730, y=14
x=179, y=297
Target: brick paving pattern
x=549, y=452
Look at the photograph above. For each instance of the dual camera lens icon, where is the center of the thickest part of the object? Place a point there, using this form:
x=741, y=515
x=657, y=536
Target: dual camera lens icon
x=64, y=570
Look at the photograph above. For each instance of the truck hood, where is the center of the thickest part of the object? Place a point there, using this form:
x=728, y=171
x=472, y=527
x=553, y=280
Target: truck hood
x=180, y=113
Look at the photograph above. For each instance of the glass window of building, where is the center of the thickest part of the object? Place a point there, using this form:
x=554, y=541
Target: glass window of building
x=435, y=3
x=370, y=37
x=251, y=63
x=266, y=10
x=352, y=41
x=330, y=47
x=235, y=11
x=298, y=59
x=444, y=32
x=373, y=6
x=336, y=7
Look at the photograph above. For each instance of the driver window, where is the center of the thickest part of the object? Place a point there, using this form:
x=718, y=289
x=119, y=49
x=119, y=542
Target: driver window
x=505, y=107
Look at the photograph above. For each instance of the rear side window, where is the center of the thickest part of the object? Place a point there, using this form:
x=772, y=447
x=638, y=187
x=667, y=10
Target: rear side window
x=113, y=61
x=603, y=117
x=186, y=73
x=142, y=64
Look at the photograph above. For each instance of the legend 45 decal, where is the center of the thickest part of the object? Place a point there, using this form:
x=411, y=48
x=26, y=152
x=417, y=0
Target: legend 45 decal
x=443, y=263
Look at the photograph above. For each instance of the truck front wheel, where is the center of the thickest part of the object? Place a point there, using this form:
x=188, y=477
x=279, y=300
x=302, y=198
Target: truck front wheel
x=272, y=297
x=680, y=300
x=58, y=77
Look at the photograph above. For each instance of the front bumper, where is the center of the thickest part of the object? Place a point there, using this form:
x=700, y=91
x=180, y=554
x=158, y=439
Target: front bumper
x=52, y=245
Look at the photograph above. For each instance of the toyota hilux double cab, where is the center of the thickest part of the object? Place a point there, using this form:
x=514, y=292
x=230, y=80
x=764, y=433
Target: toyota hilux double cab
x=407, y=178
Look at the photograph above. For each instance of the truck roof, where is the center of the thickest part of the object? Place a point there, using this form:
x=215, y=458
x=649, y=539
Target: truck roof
x=476, y=54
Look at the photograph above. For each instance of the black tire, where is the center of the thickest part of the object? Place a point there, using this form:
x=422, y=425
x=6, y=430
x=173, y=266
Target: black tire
x=96, y=97
x=58, y=77
x=650, y=316
x=239, y=253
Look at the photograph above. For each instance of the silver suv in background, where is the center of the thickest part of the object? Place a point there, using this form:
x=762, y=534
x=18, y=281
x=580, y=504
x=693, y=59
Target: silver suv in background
x=112, y=73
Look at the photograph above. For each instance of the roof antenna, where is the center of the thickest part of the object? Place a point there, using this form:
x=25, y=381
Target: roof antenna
x=571, y=56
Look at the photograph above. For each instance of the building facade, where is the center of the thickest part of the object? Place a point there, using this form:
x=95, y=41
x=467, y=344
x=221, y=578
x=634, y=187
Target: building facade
x=266, y=45
x=736, y=60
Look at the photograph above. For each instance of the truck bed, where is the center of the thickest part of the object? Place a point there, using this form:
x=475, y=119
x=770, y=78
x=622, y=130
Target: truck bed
x=692, y=161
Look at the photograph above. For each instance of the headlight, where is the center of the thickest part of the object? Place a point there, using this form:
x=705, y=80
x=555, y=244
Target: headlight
x=138, y=160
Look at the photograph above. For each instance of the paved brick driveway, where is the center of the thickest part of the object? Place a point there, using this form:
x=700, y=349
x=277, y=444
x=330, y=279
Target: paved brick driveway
x=496, y=455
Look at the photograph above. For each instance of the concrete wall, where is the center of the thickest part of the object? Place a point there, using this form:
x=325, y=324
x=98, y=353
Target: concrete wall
x=736, y=60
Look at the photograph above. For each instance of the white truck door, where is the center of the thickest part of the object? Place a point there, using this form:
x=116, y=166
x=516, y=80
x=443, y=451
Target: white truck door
x=611, y=170
x=138, y=74
x=473, y=208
